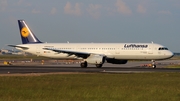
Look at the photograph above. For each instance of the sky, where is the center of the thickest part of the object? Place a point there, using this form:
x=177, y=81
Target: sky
x=98, y=21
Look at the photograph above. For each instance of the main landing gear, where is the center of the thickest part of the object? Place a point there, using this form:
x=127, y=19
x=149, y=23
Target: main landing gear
x=153, y=64
x=85, y=64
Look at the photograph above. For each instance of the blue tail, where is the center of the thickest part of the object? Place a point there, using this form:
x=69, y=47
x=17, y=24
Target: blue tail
x=27, y=35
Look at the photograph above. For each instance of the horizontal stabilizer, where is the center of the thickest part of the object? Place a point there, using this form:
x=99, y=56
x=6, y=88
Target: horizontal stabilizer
x=22, y=47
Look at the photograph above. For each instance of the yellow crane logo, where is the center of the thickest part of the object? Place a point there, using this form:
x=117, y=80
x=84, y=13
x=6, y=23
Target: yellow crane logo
x=24, y=32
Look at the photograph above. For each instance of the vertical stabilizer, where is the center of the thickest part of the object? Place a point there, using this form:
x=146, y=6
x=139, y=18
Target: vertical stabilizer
x=26, y=34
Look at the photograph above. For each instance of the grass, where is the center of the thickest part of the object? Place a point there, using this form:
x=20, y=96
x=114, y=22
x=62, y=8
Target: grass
x=173, y=66
x=91, y=87
x=175, y=57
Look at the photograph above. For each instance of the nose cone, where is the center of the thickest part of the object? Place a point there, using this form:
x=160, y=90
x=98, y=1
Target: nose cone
x=169, y=54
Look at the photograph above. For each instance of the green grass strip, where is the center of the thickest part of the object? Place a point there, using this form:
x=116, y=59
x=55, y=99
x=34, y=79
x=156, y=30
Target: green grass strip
x=91, y=87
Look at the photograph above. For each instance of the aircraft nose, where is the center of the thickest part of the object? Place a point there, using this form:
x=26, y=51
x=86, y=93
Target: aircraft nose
x=170, y=54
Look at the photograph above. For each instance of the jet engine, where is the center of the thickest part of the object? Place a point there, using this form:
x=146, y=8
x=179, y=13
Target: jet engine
x=95, y=59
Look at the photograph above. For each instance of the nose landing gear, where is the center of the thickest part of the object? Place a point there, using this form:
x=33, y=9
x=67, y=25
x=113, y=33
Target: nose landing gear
x=153, y=64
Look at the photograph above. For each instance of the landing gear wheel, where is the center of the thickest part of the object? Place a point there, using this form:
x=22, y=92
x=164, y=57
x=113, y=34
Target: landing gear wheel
x=154, y=66
x=84, y=65
x=98, y=65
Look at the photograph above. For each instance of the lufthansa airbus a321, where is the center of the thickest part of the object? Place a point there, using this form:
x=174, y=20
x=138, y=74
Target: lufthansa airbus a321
x=91, y=53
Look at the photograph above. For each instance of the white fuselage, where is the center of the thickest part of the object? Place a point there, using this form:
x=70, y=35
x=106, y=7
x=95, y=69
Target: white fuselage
x=125, y=51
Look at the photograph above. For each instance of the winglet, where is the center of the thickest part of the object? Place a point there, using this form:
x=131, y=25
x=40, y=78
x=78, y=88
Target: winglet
x=27, y=35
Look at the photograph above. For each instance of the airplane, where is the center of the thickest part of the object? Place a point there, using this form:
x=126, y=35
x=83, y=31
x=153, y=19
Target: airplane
x=91, y=53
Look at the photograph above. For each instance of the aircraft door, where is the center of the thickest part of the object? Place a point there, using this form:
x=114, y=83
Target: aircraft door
x=150, y=49
x=38, y=52
x=116, y=53
x=117, y=50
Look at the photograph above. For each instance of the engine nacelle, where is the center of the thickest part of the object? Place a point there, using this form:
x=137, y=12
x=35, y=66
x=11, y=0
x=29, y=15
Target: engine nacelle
x=116, y=61
x=95, y=59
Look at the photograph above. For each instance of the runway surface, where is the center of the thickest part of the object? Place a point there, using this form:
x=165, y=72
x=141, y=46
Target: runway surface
x=131, y=67
x=47, y=69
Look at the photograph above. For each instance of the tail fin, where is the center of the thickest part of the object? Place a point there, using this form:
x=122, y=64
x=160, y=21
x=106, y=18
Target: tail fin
x=27, y=35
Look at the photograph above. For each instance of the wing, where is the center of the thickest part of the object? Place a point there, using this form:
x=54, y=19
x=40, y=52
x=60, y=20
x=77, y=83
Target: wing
x=76, y=53
x=24, y=48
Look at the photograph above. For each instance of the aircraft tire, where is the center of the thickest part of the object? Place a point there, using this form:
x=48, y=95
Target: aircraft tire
x=154, y=66
x=84, y=65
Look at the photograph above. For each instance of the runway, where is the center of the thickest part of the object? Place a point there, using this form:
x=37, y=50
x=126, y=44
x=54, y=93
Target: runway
x=54, y=69
x=131, y=67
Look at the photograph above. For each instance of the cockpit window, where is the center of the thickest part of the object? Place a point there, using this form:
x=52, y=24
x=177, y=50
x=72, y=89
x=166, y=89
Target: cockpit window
x=163, y=48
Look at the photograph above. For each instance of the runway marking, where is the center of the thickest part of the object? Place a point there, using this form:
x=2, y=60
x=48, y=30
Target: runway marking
x=128, y=72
